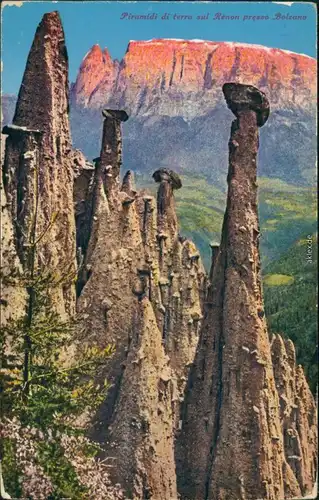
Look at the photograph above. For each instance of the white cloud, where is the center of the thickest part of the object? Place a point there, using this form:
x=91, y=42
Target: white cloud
x=289, y=4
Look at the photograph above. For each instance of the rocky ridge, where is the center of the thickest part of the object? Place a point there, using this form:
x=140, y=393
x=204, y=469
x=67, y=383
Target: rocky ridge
x=186, y=345
x=153, y=72
x=297, y=413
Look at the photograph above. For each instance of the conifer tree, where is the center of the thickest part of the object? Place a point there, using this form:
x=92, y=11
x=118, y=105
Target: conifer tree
x=48, y=380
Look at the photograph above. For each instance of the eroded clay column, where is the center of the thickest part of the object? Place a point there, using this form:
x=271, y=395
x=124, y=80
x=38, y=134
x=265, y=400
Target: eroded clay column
x=231, y=437
x=111, y=151
x=39, y=139
x=166, y=213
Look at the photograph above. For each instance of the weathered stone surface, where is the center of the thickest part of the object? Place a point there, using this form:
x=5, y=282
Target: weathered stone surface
x=97, y=69
x=232, y=444
x=247, y=428
x=128, y=184
x=166, y=211
x=184, y=77
x=38, y=174
x=135, y=257
x=12, y=297
x=116, y=114
x=297, y=414
x=164, y=174
x=141, y=432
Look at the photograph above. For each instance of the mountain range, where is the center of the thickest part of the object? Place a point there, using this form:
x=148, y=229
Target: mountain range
x=171, y=90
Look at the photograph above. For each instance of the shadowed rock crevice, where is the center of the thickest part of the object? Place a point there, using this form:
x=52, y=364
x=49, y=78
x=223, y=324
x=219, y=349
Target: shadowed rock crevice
x=297, y=413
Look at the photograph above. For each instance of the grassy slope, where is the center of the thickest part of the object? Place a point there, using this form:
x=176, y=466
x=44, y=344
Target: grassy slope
x=286, y=212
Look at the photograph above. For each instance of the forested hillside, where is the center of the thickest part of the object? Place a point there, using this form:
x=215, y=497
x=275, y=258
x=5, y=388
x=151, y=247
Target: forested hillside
x=290, y=288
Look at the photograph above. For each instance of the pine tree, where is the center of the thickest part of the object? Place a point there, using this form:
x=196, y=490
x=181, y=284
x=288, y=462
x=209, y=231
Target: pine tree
x=41, y=389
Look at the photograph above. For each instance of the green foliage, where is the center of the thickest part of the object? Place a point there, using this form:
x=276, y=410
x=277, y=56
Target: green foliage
x=286, y=213
x=291, y=309
x=10, y=467
x=44, y=385
x=278, y=279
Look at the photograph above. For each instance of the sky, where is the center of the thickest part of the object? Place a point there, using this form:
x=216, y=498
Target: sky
x=88, y=23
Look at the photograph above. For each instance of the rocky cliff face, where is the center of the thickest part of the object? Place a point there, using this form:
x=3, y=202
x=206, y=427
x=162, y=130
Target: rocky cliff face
x=96, y=77
x=38, y=164
x=196, y=384
x=173, y=88
x=164, y=76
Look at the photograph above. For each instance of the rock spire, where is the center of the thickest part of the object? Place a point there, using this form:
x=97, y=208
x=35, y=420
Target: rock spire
x=142, y=290
x=38, y=165
x=297, y=413
x=232, y=445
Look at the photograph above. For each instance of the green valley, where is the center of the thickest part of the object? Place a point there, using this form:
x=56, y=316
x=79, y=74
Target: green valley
x=287, y=216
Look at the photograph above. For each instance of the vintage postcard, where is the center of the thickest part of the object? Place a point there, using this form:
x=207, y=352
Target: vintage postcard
x=158, y=250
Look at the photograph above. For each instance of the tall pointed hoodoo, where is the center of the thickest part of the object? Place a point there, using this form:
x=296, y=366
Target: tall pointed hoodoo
x=38, y=165
x=232, y=444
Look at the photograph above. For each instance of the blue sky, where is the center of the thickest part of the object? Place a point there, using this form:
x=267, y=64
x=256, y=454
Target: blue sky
x=87, y=23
